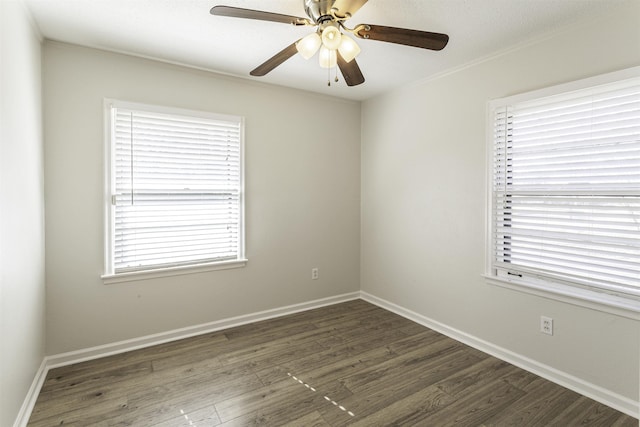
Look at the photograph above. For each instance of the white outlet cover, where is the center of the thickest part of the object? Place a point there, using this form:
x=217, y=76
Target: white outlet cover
x=546, y=325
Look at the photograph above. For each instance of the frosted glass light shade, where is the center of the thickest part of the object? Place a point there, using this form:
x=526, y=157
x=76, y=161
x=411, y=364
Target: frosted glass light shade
x=328, y=58
x=331, y=38
x=349, y=49
x=309, y=45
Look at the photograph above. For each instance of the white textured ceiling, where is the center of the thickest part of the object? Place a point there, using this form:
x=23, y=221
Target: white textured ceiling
x=183, y=31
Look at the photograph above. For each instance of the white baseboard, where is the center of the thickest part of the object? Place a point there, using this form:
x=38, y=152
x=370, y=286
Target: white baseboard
x=607, y=397
x=595, y=392
x=32, y=395
x=84, y=355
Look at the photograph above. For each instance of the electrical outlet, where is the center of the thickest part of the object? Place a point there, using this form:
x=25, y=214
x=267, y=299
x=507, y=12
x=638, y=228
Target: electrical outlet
x=546, y=325
x=314, y=273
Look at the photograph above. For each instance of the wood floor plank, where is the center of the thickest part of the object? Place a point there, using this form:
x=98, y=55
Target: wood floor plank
x=165, y=400
x=439, y=359
x=484, y=372
x=475, y=408
x=273, y=353
x=373, y=320
x=276, y=404
x=337, y=313
x=205, y=417
x=349, y=348
x=70, y=384
x=542, y=402
x=85, y=409
x=327, y=366
x=313, y=419
x=151, y=393
x=422, y=338
x=134, y=357
x=365, y=342
x=268, y=330
x=380, y=392
x=409, y=410
x=248, y=348
x=345, y=364
x=583, y=412
x=625, y=421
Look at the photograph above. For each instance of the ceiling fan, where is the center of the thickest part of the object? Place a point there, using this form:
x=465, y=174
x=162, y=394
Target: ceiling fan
x=330, y=39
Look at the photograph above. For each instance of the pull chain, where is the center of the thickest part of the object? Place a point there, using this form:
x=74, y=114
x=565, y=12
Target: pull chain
x=329, y=76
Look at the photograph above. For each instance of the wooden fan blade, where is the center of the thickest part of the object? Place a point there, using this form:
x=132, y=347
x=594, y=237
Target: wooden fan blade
x=344, y=7
x=421, y=39
x=350, y=71
x=238, y=12
x=275, y=60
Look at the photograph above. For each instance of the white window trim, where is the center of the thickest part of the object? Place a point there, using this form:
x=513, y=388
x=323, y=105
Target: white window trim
x=628, y=307
x=133, y=276
x=109, y=277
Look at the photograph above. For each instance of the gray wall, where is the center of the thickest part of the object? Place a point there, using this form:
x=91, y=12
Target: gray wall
x=423, y=205
x=22, y=288
x=302, y=199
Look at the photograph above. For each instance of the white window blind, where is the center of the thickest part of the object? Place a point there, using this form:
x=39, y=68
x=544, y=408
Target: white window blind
x=566, y=189
x=176, y=189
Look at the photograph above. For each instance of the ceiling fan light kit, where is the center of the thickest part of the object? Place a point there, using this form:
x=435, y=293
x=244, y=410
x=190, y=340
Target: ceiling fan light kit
x=349, y=49
x=331, y=37
x=309, y=45
x=327, y=58
x=334, y=46
x=330, y=41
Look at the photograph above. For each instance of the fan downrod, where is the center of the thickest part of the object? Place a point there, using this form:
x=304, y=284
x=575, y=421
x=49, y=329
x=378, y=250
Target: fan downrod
x=319, y=10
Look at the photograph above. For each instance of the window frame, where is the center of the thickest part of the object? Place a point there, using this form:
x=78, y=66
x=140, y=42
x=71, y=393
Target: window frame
x=561, y=290
x=109, y=275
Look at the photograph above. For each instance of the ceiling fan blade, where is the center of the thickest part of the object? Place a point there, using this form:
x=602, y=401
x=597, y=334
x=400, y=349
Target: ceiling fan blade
x=275, y=60
x=343, y=8
x=415, y=38
x=350, y=71
x=238, y=12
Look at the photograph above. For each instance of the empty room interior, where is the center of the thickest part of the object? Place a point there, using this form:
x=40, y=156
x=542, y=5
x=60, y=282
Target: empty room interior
x=391, y=252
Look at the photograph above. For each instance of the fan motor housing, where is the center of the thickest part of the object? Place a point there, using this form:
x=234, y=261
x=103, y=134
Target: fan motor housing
x=319, y=10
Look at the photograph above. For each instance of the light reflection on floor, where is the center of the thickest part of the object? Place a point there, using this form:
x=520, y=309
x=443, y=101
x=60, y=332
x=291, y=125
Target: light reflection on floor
x=299, y=381
x=186, y=417
x=327, y=398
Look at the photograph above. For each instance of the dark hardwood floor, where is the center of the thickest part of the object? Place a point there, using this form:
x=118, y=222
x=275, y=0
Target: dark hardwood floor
x=346, y=364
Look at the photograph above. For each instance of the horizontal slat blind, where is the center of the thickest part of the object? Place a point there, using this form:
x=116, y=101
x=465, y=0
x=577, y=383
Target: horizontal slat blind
x=566, y=188
x=177, y=190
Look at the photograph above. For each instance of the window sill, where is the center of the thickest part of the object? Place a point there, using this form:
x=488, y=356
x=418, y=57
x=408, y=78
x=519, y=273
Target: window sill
x=133, y=276
x=600, y=301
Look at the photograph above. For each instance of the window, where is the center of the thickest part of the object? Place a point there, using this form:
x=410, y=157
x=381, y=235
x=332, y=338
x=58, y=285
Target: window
x=565, y=189
x=174, y=191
